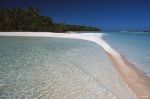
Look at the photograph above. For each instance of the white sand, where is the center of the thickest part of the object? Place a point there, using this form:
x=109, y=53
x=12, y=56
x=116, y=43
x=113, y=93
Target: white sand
x=86, y=36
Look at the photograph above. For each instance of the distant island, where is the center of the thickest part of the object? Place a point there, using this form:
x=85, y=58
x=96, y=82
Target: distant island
x=30, y=19
x=133, y=30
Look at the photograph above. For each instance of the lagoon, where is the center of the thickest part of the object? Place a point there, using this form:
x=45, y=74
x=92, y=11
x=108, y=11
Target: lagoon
x=37, y=67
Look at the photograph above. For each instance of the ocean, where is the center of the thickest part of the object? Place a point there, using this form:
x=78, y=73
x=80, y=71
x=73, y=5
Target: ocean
x=135, y=46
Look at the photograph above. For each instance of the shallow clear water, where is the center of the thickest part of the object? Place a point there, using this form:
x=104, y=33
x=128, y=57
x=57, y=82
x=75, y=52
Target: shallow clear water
x=54, y=68
x=134, y=46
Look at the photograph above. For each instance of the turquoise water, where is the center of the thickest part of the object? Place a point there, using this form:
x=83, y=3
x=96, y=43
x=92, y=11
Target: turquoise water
x=54, y=68
x=134, y=46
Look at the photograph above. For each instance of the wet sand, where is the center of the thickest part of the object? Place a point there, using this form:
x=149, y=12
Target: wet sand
x=134, y=78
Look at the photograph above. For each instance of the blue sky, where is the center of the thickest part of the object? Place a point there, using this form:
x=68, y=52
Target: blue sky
x=109, y=15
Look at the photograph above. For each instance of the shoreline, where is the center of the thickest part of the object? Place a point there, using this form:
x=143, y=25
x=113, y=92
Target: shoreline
x=136, y=80
x=132, y=76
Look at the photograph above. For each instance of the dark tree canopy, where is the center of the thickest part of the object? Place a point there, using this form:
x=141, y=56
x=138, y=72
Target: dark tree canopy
x=30, y=19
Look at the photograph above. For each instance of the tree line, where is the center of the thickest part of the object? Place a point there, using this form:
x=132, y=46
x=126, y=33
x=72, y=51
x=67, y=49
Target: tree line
x=30, y=19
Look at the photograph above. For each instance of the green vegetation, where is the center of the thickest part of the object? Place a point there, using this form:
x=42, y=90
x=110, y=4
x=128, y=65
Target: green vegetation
x=30, y=19
x=66, y=27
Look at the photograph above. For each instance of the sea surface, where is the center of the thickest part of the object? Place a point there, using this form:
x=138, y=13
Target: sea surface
x=135, y=46
x=56, y=68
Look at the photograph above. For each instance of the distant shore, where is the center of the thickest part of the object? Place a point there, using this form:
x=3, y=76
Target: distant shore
x=133, y=77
